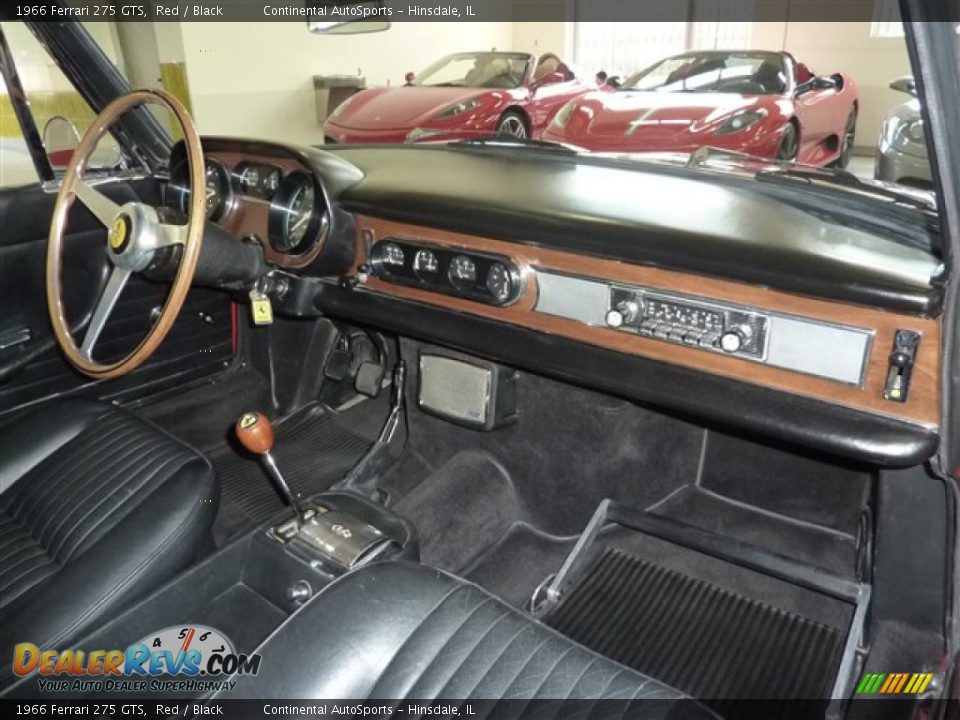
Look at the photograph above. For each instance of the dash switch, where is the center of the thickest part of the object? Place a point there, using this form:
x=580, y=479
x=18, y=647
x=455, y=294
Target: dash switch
x=900, y=368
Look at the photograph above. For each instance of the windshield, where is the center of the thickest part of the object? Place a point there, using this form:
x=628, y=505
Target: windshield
x=482, y=70
x=730, y=72
x=805, y=94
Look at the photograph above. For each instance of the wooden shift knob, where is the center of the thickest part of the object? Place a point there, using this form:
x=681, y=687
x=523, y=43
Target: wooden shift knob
x=255, y=432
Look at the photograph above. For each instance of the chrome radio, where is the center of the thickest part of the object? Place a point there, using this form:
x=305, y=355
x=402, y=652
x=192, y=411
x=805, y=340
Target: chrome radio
x=686, y=321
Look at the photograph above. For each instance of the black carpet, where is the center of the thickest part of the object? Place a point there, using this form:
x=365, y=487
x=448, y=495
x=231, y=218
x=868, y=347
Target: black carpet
x=712, y=643
x=312, y=451
x=814, y=544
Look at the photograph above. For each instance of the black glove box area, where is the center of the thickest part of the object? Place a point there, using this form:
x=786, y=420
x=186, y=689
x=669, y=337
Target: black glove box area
x=242, y=590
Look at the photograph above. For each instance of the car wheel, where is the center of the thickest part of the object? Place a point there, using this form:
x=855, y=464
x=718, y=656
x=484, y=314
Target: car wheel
x=512, y=123
x=849, y=135
x=789, y=147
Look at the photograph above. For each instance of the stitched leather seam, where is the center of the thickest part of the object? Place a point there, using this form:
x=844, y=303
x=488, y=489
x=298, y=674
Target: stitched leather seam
x=469, y=653
x=523, y=628
x=106, y=471
x=419, y=629
x=65, y=456
x=114, y=514
x=127, y=578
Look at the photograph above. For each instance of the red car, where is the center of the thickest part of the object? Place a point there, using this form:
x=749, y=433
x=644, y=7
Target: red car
x=760, y=103
x=461, y=96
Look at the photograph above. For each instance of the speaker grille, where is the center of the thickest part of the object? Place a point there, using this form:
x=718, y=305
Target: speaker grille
x=455, y=389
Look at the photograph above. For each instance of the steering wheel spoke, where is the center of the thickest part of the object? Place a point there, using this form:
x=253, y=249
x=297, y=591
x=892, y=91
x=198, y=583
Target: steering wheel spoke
x=135, y=230
x=102, y=207
x=168, y=234
x=101, y=313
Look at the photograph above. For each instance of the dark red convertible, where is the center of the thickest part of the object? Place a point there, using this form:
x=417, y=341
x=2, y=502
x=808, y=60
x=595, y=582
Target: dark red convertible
x=461, y=96
x=764, y=104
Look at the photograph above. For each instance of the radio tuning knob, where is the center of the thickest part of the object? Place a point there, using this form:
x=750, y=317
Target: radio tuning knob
x=735, y=338
x=625, y=312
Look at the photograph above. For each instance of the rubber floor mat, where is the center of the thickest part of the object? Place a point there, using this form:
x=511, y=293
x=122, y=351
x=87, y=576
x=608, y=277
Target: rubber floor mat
x=312, y=451
x=714, y=644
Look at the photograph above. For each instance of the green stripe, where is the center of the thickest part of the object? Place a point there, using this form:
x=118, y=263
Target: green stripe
x=862, y=687
x=879, y=682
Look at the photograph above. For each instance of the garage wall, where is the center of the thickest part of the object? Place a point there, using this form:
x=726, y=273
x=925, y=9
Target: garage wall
x=266, y=89
x=846, y=47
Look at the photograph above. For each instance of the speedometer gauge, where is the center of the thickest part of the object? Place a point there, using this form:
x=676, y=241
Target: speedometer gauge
x=297, y=214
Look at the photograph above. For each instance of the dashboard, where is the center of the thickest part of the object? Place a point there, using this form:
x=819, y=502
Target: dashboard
x=768, y=316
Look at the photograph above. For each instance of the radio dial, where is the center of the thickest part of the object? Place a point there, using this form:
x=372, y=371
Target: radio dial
x=735, y=338
x=624, y=312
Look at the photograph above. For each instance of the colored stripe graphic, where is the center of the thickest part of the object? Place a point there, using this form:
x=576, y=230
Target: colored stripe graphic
x=894, y=683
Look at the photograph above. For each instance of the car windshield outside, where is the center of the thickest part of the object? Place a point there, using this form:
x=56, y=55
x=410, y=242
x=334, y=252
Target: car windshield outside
x=482, y=70
x=733, y=72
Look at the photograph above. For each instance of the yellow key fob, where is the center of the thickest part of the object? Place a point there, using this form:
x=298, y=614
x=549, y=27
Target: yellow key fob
x=261, y=311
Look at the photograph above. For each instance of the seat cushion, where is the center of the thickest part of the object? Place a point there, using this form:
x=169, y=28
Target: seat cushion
x=401, y=630
x=98, y=507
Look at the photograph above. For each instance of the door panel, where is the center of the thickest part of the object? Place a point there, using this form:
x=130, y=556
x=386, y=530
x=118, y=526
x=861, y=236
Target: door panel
x=199, y=343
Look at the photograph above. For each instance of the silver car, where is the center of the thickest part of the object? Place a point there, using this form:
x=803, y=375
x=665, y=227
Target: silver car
x=902, y=153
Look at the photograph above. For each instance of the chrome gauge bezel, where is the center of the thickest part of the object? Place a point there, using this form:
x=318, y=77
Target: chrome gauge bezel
x=443, y=280
x=281, y=208
x=178, y=189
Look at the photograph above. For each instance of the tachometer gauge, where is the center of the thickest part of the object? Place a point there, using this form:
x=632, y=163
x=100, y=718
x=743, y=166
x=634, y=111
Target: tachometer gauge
x=463, y=272
x=297, y=214
x=217, y=190
x=218, y=198
x=499, y=282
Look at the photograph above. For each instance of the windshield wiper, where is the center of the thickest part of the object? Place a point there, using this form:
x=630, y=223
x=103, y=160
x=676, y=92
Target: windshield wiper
x=845, y=179
x=507, y=141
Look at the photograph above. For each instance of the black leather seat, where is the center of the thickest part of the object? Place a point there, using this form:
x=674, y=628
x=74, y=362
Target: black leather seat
x=399, y=630
x=97, y=507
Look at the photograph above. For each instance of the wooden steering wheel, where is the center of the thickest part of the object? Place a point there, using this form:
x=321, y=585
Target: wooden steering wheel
x=135, y=233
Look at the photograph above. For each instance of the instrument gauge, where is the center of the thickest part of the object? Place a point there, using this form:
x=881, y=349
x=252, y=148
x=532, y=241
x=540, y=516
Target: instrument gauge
x=463, y=272
x=297, y=215
x=218, y=198
x=392, y=254
x=425, y=264
x=499, y=282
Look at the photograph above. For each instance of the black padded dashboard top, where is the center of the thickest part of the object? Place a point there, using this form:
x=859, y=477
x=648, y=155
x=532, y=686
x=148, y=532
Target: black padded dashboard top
x=826, y=245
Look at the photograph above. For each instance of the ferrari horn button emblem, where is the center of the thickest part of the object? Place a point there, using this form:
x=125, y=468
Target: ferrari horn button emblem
x=118, y=234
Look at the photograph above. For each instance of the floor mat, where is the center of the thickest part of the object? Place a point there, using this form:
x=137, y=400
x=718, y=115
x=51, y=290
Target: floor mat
x=312, y=451
x=714, y=644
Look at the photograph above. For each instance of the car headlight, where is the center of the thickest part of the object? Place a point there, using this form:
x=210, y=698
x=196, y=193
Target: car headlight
x=457, y=109
x=419, y=133
x=909, y=135
x=740, y=121
x=562, y=118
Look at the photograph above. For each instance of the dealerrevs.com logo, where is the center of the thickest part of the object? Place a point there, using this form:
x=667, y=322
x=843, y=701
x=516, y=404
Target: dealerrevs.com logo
x=175, y=659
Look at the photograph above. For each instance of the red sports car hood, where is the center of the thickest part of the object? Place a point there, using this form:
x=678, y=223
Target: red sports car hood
x=657, y=116
x=399, y=107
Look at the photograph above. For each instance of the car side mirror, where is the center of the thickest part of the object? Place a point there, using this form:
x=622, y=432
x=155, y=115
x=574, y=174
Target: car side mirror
x=814, y=84
x=348, y=18
x=905, y=85
x=60, y=139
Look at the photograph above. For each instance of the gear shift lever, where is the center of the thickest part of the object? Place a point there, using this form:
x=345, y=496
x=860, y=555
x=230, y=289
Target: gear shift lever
x=255, y=433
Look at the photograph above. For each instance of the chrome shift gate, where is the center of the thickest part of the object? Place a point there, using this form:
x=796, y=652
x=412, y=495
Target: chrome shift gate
x=339, y=541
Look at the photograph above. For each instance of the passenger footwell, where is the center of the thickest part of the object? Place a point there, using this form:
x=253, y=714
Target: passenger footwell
x=714, y=644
